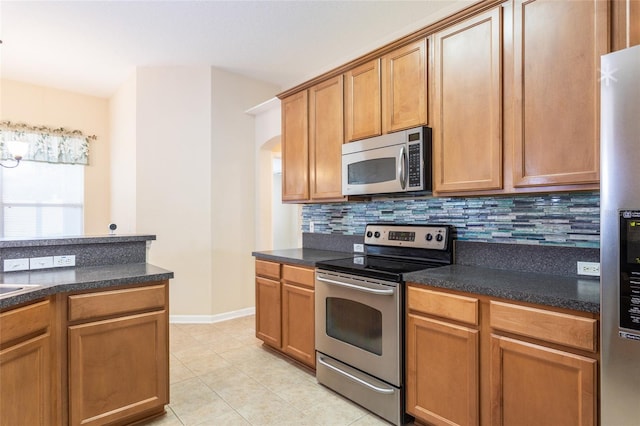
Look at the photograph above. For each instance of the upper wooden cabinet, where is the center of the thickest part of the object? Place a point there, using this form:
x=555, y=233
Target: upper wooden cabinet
x=295, y=148
x=467, y=107
x=325, y=139
x=557, y=49
x=362, y=101
x=626, y=23
x=404, y=87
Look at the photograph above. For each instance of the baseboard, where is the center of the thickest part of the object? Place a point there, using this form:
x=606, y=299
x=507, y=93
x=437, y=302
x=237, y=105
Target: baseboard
x=210, y=319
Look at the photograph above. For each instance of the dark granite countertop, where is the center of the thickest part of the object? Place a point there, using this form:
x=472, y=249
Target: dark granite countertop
x=577, y=293
x=72, y=240
x=52, y=281
x=300, y=256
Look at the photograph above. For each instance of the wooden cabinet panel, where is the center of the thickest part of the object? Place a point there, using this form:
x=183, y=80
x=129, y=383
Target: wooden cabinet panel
x=118, y=368
x=404, y=87
x=626, y=23
x=295, y=145
x=534, y=385
x=442, y=372
x=326, y=133
x=557, y=49
x=554, y=327
x=448, y=306
x=468, y=105
x=268, y=312
x=25, y=383
x=21, y=322
x=116, y=302
x=298, y=323
x=299, y=275
x=268, y=269
x=362, y=101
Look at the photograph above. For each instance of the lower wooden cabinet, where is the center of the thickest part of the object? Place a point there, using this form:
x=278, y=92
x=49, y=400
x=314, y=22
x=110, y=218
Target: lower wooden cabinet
x=285, y=317
x=27, y=396
x=475, y=360
x=118, y=360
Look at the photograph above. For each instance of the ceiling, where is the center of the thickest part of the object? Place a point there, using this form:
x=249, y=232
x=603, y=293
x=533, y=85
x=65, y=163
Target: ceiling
x=92, y=47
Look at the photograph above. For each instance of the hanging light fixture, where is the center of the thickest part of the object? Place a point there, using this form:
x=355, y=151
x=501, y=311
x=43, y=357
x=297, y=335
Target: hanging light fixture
x=17, y=150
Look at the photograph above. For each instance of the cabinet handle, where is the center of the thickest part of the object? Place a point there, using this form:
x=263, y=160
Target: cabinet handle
x=357, y=287
x=403, y=167
x=385, y=391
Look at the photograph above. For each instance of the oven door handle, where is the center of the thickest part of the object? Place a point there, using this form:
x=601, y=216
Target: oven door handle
x=385, y=391
x=357, y=287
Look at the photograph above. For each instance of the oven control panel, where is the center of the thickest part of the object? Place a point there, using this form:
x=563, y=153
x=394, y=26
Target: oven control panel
x=432, y=237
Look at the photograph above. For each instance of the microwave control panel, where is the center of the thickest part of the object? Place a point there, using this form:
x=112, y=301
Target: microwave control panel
x=629, y=281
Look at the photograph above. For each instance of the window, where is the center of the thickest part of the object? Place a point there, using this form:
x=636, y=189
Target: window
x=41, y=200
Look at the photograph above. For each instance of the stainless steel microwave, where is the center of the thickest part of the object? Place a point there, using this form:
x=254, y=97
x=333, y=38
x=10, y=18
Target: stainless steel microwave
x=396, y=163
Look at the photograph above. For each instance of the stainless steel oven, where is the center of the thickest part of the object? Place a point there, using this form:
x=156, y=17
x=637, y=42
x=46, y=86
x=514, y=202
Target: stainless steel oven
x=360, y=317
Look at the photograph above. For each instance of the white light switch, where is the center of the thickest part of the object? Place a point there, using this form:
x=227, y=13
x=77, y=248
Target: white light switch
x=16, y=264
x=41, y=262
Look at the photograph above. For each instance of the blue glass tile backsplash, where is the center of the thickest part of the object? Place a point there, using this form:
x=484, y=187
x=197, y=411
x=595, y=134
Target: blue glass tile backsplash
x=563, y=219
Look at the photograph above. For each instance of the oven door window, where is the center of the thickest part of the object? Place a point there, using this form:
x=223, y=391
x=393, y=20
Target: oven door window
x=354, y=323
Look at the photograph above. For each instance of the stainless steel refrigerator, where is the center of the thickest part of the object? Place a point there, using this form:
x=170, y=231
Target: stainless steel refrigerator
x=620, y=238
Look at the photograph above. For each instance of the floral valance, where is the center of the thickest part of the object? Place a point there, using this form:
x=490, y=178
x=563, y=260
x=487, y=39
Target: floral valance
x=44, y=143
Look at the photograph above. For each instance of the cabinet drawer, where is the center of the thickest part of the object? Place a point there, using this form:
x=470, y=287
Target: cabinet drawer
x=299, y=275
x=268, y=269
x=444, y=305
x=24, y=321
x=554, y=327
x=116, y=302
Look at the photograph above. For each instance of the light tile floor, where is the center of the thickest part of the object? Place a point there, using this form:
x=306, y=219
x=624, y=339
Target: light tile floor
x=222, y=375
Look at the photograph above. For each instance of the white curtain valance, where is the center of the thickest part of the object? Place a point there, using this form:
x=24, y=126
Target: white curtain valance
x=45, y=144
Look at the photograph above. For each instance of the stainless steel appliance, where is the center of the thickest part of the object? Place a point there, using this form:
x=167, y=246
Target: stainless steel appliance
x=620, y=238
x=395, y=163
x=359, y=307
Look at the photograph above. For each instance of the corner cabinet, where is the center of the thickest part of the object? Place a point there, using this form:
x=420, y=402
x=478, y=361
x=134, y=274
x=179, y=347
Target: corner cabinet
x=118, y=361
x=557, y=48
x=27, y=394
x=468, y=104
x=285, y=313
x=312, y=136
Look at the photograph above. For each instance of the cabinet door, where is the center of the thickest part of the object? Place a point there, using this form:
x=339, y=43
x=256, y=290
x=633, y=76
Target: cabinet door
x=534, y=385
x=362, y=101
x=442, y=372
x=298, y=323
x=468, y=105
x=25, y=391
x=118, y=368
x=626, y=23
x=557, y=48
x=268, y=321
x=325, y=139
x=295, y=145
x=404, y=87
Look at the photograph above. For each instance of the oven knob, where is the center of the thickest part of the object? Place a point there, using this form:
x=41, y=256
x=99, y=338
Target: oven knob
x=429, y=237
x=377, y=234
x=439, y=237
x=369, y=234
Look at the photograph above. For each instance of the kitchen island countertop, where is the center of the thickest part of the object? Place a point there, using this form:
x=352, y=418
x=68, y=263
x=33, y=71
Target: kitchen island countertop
x=576, y=293
x=52, y=281
x=300, y=256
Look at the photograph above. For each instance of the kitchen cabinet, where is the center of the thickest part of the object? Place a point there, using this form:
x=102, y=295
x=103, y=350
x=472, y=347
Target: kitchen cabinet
x=442, y=357
x=404, y=87
x=467, y=106
x=295, y=148
x=285, y=318
x=556, y=55
x=363, y=116
x=326, y=134
x=118, y=360
x=27, y=394
x=626, y=23
x=535, y=383
x=473, y=359
x=312, y=136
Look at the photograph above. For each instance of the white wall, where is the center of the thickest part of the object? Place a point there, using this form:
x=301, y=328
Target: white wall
x=122, y=113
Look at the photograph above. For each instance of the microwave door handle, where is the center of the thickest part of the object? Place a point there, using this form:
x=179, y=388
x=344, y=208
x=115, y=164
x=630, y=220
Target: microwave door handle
x=402, y=169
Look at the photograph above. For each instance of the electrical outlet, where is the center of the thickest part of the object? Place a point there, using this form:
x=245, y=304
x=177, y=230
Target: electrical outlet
x=62, y=261
x=358, y=248
x=16, y=264
x=589, y=268
x=41, y=262
x=312, y=227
